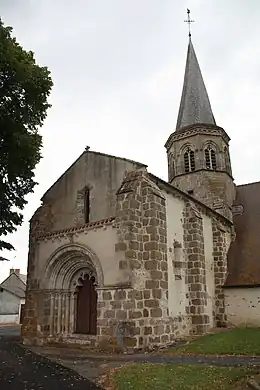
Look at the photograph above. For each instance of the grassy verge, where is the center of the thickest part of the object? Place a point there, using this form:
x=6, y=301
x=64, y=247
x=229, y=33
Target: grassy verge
x=178, y=377
x=241, y=341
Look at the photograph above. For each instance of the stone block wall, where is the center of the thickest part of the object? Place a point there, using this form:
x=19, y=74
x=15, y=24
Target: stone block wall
x=134, y=318
x=142, y=257
x=41, y=223
x=220, y=272
x=30, y=319
x=215, y=189
x=196, y=272
x=29, y=330
x=120, y=312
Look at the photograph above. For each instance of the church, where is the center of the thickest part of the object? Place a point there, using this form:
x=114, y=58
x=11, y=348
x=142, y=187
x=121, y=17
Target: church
x=118, y=256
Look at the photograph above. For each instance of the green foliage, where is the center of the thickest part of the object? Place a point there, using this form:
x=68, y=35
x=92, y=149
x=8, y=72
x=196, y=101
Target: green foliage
x=179, y=377
x=239, y=341
x=24, y=89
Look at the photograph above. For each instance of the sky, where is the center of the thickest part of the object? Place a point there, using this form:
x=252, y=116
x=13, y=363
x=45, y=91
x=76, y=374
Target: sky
x=118, y=68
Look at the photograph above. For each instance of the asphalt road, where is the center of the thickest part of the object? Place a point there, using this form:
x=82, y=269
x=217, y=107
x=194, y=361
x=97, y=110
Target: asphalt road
x=21, y=369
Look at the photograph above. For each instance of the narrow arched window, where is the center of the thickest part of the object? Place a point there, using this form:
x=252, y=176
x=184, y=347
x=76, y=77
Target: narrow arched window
x=171, y=167
x=86, y=205
x=189, y=160
x=210, y=158
x=227, y=160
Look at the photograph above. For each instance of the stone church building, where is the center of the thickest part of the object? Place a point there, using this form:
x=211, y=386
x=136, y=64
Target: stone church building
x=120, y=256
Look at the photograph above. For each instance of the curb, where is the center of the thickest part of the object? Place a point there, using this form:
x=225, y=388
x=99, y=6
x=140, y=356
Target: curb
x=252, y=383
x=9, y=324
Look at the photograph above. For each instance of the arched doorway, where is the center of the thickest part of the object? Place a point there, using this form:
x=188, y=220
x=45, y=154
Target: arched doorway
x=64, y=273
x=86, y=307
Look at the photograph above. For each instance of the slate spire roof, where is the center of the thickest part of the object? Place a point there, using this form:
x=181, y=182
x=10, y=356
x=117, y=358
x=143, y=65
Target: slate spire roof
x=195, y=105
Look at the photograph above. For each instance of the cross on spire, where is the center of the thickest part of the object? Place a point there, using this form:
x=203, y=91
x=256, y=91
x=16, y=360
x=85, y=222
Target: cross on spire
x=189, y=21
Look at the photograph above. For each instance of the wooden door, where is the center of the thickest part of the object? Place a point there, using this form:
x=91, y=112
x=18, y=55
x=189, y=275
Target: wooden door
x=86, y=321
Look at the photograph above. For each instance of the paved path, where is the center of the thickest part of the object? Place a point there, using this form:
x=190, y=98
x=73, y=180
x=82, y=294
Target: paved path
x=21, y=369
x=92, y=366
x=71, y=354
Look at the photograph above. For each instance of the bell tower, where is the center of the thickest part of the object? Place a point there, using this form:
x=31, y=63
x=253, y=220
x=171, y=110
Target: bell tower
x=198, y=149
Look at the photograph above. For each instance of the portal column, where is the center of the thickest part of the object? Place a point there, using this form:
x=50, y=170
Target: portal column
x=52, y=315
x=73, y=302
x=67, y=312
x=59, y=314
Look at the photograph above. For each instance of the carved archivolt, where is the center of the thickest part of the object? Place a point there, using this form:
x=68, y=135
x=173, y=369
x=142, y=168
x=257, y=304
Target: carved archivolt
x=68, y=264
x=80, y=276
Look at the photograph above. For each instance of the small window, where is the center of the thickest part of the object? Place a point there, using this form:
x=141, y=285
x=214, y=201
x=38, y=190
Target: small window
x=1, y=289
x=86, y=206
x=189, y=161
x=210, y=158
x=171, y=167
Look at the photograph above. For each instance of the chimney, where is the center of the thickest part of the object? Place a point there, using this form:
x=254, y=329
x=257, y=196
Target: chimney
x=16, y=271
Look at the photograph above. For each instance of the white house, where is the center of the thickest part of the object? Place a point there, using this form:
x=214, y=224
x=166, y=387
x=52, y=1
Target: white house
x=12, y=297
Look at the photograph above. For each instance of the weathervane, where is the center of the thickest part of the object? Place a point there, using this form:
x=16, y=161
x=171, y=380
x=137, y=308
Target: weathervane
x=189, y=21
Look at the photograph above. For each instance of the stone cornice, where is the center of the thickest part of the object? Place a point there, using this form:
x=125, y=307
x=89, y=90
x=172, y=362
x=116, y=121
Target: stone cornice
x=189, y=131
x=77, y=229
x=201, y=170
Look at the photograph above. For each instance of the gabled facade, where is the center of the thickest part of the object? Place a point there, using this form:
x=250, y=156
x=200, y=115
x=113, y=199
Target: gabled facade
x=12, y=297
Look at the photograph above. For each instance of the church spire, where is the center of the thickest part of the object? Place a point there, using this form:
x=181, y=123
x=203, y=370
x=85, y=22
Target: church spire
x=195, y=105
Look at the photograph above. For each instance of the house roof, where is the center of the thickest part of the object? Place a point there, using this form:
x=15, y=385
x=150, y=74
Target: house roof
x=23, y=278
x=19, y=276
x=14, y=290
x=18, y=290
x=195, y=105
x=244, y=252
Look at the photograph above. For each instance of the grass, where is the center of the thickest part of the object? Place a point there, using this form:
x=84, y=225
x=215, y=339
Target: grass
x=239, y=341
x=178, y=377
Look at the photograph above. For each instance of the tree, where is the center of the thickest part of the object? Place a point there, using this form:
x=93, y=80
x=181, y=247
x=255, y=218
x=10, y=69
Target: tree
x=24, y=89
